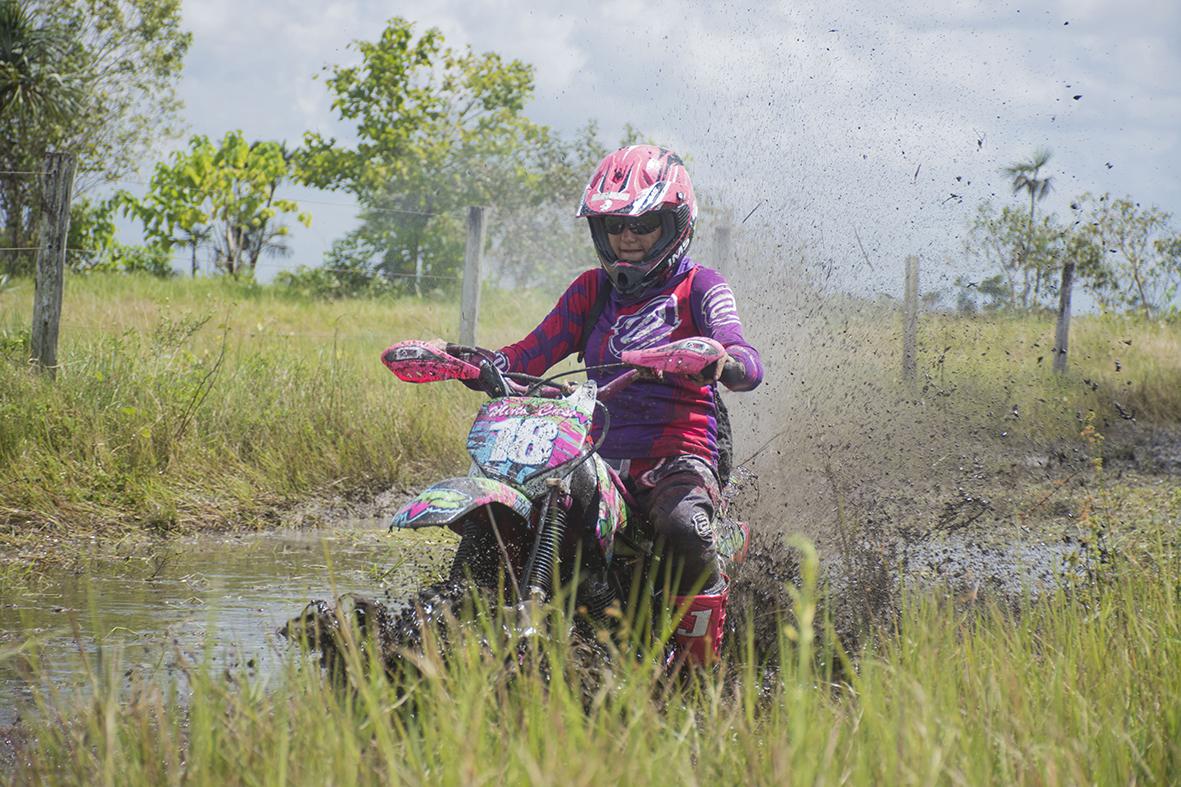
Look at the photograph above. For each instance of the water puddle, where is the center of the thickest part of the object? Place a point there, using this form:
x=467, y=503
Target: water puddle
x=230, y=593
x=226, y=596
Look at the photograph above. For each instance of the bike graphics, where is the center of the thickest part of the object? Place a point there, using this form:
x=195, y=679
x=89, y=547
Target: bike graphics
x=534, y=462
x=517, y=438
x=613, y=512
x=447, y=502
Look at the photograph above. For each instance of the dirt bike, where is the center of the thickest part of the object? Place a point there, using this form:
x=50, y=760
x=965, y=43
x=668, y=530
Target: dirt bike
x=540, y=510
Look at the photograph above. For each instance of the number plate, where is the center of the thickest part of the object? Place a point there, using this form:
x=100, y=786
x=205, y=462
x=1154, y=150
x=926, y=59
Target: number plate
x=517, y=437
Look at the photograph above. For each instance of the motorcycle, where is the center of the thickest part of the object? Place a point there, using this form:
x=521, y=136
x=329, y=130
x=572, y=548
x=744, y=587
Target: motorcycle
x=540, y=510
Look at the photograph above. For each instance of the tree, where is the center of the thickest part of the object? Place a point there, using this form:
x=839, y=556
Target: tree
x=96, y=77
x=436, y=129
x=34, y=90
x=31, y=83
x=1135, y=249
x=92, y=233
x=1007, y=242
x=535, y=239
x=223, y=196
x=92, y=245
x=1024, y=175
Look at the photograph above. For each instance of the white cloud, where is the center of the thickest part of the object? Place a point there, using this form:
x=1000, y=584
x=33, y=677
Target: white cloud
x=825, y=110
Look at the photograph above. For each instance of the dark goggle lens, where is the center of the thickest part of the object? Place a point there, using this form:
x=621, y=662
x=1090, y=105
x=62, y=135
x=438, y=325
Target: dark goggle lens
x=640, y=225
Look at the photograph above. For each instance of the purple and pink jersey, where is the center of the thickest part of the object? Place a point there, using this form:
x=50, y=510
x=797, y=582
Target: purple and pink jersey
x=650, y=419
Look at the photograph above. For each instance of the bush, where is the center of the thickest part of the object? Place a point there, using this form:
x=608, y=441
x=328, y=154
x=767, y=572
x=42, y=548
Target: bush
x=118, y=257
x=340, y=281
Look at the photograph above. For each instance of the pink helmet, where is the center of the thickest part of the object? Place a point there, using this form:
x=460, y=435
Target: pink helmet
x=633, y=181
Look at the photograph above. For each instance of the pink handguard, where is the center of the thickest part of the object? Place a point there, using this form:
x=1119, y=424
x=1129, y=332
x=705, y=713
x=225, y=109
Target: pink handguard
x=688, y=356
x=420, y=362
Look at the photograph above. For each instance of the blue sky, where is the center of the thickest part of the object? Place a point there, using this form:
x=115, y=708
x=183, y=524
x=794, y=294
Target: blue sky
x=831, y=117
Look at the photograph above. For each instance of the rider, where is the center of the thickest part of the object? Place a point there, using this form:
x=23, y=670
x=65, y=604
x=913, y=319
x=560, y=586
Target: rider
x=664, y=432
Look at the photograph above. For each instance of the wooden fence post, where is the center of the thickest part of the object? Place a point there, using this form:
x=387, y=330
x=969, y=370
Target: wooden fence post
x=1062, y=330
x=910, y=319
x=469, y=307
x=57, y=186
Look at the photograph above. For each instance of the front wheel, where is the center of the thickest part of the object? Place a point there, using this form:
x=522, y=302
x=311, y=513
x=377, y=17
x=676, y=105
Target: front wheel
x=489, y=556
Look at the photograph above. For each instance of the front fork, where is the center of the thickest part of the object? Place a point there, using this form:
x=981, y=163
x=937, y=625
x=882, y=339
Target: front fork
x=538, y=581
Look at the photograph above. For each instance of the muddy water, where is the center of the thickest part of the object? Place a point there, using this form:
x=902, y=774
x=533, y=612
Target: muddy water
x=228, y=593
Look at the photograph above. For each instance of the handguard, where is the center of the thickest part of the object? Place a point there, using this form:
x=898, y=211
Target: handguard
x=422, y=362
x=688, y=356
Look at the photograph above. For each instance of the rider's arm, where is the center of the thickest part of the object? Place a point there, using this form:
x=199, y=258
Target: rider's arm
x=716, y=315
x=557, y=335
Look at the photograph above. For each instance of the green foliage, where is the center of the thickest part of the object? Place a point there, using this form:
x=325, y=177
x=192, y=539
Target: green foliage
x=438, y=129
x=1025, y=254
x=1127, y=255
x=1071, y=687
x=92, y=245
x=151, y=260
x=344, y=279
x=222, y=196
x=92, y=233
x=536, y=241
x=1024, y=175
x=1138, y=266
x=96, y=77
x=32, y=86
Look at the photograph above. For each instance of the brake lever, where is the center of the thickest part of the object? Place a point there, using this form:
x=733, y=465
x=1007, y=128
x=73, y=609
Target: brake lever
x=492, y=381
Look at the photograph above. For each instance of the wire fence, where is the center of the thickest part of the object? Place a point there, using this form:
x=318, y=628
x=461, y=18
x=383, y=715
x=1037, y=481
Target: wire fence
x=269, y=266
x=314, y=248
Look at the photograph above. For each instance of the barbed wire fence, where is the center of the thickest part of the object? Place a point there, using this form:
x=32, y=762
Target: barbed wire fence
x=469, y=278
x=57, y=183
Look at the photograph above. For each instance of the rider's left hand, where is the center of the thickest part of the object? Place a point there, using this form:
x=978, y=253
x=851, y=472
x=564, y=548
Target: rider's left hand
x=712, y=373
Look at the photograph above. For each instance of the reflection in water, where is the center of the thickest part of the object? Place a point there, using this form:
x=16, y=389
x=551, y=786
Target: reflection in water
x=229, y=592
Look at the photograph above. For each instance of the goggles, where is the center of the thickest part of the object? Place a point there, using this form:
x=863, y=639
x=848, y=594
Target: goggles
x=643, y=224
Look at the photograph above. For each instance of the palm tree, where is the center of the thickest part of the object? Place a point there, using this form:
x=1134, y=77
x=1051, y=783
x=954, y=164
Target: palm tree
x=1025, y=178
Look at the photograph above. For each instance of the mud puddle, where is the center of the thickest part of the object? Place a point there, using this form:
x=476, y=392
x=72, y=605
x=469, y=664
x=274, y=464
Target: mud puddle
x=229, y=594
x=226, y=596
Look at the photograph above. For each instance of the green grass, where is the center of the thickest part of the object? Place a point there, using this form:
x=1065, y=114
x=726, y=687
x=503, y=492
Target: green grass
x=184, y=404
x=1006, y=361
x=1077, y=687
x=191, y=404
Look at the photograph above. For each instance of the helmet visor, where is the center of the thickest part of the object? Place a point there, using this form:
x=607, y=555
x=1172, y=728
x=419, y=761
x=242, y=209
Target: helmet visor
x=644, y=224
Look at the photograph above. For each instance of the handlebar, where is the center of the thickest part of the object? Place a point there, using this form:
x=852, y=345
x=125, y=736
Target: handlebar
x=416, y=361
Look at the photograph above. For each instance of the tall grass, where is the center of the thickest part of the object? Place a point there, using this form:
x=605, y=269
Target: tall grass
x=183, y=404
x=1118, y=366
x=191, y=403
x=1076, y=687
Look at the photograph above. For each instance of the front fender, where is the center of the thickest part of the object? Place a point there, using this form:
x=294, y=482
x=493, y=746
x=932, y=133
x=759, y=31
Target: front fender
x=445, y=503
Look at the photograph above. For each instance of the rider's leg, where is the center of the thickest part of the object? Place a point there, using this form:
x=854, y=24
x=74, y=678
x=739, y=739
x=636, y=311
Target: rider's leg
x=680, y=502
x=681, y=509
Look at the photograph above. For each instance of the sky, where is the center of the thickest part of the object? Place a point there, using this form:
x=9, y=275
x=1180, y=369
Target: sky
x=858, y=133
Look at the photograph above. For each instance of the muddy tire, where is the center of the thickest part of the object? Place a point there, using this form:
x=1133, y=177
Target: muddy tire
x=477, y=558
x=476, y=570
